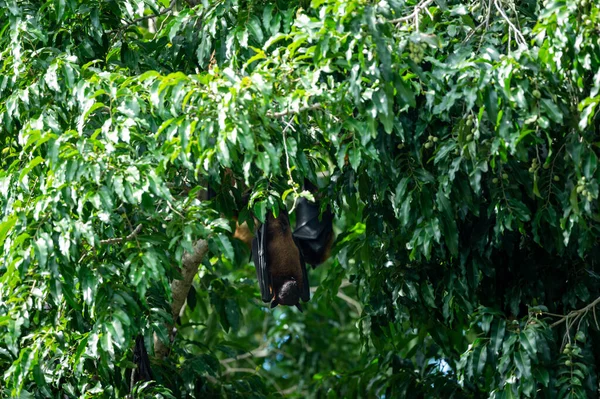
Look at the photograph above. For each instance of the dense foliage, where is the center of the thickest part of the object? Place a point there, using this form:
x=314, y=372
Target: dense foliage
x=457, y=143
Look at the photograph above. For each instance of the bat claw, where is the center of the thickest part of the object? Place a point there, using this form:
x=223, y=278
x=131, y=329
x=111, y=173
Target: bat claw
x=274, y=303
x=299, y=307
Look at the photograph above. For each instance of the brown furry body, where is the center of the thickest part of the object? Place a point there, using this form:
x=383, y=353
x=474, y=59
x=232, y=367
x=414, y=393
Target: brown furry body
x=284, y=257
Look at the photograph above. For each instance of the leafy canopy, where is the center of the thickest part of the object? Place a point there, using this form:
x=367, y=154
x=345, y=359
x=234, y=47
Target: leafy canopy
x=457, y=143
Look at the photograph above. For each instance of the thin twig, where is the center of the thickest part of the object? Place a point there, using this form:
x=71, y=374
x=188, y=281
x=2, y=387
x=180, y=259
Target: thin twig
x=144, y=18
x=287, y=163
x=130, y=237
x=288, y=112
x=473, y=31
x=552, y=314
x=512, y=5
x=260, y=352
x=350, y=301
x=290, y=390
x=489, y=15
x=518, y=35
x=413, y=14
x=345, y=283
x=240, y=370
x=175, y=210
x=487, y=22
x=581, y=319
x=110, y=241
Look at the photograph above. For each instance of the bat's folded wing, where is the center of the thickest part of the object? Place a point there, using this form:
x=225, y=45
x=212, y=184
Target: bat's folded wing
x=305, y=292
x=313, y=235
x=259, y=255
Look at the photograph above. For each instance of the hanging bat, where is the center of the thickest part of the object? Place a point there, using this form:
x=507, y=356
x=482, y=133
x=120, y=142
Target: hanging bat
x=280, y=266
x=314, y=236
x=143, y=371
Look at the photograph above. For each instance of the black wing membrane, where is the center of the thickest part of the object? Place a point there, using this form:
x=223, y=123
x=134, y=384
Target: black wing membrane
x=143, y=372
x=311, y=233
x=305, y=293
x=259, y=255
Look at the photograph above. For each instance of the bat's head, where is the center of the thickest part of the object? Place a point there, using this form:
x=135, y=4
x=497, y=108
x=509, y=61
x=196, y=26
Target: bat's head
x=288, y=294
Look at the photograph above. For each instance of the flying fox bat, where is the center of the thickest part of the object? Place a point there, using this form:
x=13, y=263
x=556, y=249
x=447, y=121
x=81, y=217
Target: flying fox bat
x=279, y=263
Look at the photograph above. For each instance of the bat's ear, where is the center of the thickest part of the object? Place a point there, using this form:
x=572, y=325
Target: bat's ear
x=274, y=303
x=299, y=307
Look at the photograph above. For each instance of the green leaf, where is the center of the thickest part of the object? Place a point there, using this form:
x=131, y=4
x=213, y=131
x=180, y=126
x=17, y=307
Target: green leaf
x=523, y=364
x=448, y=222
x=5, y=227
x=41, y=246
x=498, y=331
x=491, y=104
x=428, y=294
x=60, y=10
x=528, y=341
x=260, y=210
x=255, y=30
x=542, y=375
x=590, y=163
x=225, y=246
x=481, y=361
x=29, y=167
x=552, y=110
x=233, y=314
x=267, y=16
x=403, y=90
x=355, y=157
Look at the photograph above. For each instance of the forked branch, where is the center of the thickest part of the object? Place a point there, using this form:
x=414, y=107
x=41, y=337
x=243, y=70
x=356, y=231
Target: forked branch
x=575, y=315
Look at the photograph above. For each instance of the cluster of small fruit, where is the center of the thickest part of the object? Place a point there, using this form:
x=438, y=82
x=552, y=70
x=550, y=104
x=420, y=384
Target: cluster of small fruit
x=572, y=351
x=583, y=189
x=470, y=127
x=417, y=51
x=569, y=350
x=504, y=177
x=535, y=165
x=430, y=141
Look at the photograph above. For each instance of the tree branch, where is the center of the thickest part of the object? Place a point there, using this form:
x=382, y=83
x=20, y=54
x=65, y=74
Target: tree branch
x=130, y=237
x=180, y=289
x=144, y=18
x=281, y=114
x=518, y=35
x=418, y=8
x=260, y=352
x=575, y=314
x=240, y=370
x=350, y=301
